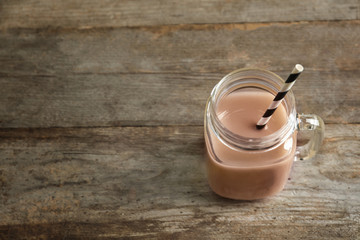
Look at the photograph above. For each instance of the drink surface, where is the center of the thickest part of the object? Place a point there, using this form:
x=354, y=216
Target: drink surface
x=240, y=110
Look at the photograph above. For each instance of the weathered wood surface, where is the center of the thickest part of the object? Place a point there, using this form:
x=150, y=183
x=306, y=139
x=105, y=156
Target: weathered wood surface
x=101, y=113
x=93, y=13
x=148, y=182
x=163, y=75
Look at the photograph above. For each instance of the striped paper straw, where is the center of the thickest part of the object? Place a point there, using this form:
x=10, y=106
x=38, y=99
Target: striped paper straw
x=280, y=96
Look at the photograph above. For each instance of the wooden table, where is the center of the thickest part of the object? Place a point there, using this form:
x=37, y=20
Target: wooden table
x=101, y=116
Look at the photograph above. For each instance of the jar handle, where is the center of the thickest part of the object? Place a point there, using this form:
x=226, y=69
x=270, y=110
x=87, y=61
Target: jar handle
x=310, y=136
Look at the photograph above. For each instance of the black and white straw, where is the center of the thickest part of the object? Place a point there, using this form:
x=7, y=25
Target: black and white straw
x=280, y=96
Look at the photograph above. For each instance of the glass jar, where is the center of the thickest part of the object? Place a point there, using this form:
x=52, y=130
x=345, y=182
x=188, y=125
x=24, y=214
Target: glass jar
x=247, y=168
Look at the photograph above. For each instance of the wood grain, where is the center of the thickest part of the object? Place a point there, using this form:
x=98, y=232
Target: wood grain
x=163, y=75
x=149, y=182
x=101, y=114
x=332, y=47
x=92, y=13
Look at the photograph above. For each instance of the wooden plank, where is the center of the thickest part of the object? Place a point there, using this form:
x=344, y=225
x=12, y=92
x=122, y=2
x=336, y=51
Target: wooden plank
x=332, y=47
x=163, y=75
x=149, y=182
x=152, y=99
x=92, y=13
x=104, y=100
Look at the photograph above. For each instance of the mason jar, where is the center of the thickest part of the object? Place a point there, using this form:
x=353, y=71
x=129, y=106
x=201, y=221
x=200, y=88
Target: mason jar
x=248, y=167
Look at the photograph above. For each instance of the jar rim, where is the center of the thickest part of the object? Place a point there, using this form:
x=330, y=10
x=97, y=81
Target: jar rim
x=236, y=141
